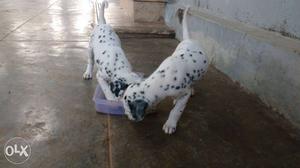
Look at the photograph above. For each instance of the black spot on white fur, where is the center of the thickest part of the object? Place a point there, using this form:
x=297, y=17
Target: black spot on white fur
x=118, y=86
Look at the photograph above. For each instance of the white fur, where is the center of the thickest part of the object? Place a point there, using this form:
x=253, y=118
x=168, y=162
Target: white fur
x=173, y=78
x=105, y=50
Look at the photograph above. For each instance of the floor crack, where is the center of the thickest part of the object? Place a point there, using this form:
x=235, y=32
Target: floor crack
x=40, y=12
x=109, y=142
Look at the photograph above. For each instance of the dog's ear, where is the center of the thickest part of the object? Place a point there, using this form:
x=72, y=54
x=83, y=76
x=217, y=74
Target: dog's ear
x=137, y=109
x=118, y=87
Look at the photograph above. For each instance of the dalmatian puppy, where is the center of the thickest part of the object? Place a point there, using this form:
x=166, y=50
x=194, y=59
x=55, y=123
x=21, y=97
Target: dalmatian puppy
x=114, y=71
x=173, y=78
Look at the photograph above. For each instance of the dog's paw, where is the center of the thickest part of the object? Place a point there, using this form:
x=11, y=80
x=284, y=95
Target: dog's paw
x=87, y=75
x=169, y=127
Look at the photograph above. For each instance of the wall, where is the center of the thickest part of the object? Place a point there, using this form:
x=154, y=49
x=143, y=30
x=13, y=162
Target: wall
x=144, y=10
x=277, y=15
x=127, y=5
x=264, y=62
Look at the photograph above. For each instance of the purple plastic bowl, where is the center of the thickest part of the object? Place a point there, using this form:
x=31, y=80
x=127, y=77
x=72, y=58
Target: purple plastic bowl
x=103, y=105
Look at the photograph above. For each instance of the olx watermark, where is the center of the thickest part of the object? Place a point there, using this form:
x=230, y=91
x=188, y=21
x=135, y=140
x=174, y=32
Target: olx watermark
x=17, y=150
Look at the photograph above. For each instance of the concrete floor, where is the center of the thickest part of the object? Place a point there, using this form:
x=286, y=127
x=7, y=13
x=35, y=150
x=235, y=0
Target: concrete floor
x=44, y=100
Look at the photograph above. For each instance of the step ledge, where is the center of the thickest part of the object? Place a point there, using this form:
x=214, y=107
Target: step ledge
x=274, y=38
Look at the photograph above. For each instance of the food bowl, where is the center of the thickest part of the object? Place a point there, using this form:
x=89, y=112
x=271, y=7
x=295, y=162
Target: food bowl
x=105, y=106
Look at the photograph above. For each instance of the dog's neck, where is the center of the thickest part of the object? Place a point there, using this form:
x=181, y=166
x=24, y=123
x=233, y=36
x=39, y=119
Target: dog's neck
x=151, y=98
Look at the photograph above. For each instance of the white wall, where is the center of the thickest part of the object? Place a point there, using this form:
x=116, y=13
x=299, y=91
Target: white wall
x=279, y=15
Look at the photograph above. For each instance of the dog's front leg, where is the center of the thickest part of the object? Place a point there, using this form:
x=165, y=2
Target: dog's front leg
x=88, y=74
x=106, y=89
x=175, y=114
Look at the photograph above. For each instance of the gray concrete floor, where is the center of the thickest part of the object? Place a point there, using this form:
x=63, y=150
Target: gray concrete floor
x=44, y=100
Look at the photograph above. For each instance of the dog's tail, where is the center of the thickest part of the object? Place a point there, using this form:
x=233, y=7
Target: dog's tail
x=100, y=7
x=185, y=30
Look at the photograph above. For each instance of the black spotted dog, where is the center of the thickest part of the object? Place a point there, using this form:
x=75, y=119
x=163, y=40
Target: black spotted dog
x=173, y=78
x=114, y=71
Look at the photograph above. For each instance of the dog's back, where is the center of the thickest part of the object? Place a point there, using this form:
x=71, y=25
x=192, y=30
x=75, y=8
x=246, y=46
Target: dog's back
x=104, y=36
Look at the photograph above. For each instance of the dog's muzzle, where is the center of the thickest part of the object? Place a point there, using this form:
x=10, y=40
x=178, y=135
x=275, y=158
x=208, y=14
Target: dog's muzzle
x=138, y=117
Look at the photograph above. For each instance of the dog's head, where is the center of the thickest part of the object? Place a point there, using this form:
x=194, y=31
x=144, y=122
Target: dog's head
x=135, y=103
x=120, y=84
x=118, y=87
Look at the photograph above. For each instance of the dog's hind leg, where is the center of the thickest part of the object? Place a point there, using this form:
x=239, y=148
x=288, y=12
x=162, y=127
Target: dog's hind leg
x=175, y=114
x=106, y=89
x=88, y=74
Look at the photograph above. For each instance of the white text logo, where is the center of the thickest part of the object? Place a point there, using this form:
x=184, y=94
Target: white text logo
x=17, y=150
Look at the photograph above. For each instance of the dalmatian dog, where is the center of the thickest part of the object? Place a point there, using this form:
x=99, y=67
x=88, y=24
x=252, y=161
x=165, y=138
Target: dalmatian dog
x=114, y=72
x=173, y=78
